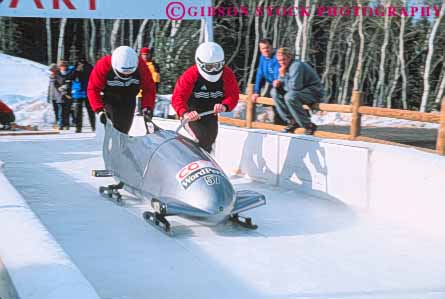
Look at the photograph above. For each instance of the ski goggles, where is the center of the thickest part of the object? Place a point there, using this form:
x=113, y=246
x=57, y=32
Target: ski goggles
x=211, y=67
x=127, y=70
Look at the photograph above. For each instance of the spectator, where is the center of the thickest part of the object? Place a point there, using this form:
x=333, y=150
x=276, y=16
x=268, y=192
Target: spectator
x=120, y=77
x=298, y=84
x=267, y=71
x=147, y=57
x=52, y=97
x=62, y=84
x=7, y=116
x=208, y=85
x=79, y=85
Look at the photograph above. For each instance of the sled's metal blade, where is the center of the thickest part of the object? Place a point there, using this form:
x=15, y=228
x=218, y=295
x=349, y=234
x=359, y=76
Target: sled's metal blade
x=246, y=200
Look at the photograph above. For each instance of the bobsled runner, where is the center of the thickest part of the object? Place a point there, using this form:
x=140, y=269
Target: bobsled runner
x=175, y=175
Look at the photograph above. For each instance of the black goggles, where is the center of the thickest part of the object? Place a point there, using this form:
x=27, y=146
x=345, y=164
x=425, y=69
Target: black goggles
x=211, y=67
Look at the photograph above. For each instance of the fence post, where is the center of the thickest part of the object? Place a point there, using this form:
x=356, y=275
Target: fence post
x=441, y=134
x=250, y=106
x=356, y=117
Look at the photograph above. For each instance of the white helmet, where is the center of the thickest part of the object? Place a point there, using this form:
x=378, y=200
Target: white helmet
x=209, y=58
x=124, y=61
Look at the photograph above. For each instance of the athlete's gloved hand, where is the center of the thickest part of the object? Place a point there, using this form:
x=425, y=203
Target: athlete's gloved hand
x=147, y=114
x=218, y=108
x=191, y=116
x=102, y=116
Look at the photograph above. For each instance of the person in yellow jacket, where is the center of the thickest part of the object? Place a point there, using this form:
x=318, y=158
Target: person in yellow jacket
x=147, y=56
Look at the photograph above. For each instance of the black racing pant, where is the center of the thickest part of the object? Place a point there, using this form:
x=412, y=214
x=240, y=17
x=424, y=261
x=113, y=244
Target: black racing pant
x=6, y=118
x=78, y=111
x=121, y=112
x=205, y=130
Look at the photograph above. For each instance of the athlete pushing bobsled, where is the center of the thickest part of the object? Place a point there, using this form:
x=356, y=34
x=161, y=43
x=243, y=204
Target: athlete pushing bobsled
x=173, y=172
x=207, y=85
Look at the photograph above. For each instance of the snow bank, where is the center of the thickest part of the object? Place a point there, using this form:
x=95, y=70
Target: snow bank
x=37, y=265
x=24, y=88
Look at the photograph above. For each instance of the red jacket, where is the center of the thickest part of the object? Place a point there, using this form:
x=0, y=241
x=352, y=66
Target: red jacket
x=98, y=82
x=185, y=84
x=4, y=108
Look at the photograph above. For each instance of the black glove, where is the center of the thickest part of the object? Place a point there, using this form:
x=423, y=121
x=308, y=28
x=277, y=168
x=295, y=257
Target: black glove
x=102, y=116
x=147, y=114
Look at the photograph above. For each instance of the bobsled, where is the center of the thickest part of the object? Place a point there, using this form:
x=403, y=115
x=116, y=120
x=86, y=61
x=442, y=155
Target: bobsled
x=175, y=175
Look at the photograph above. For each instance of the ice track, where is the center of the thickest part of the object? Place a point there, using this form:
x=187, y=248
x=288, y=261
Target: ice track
x=305, y=247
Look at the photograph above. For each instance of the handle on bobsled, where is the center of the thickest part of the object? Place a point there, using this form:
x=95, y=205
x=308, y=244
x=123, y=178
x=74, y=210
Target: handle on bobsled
x=186, y=121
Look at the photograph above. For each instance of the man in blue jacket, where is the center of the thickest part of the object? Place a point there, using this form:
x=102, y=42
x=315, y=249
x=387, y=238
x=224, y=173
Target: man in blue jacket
x=79, y=87
x=267, y=71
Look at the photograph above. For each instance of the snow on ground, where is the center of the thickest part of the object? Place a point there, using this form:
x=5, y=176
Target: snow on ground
x=305, y=247
x=24, y=88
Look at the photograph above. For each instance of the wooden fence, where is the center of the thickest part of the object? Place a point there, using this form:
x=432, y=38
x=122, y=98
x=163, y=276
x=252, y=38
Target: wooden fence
x=357, y=111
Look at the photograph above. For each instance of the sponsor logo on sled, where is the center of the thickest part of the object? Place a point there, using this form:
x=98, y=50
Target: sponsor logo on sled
x=196, y=170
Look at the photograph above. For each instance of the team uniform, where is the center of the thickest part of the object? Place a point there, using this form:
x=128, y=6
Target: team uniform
x=119, y=92
x=194, y=93
x=6, y=115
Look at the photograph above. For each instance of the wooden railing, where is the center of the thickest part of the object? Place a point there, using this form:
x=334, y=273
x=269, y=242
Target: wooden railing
x=357, y=111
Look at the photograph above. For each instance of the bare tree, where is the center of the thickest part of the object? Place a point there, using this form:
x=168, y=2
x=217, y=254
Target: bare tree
x=382, y=72
x=154, y=28
x=131, y=34
x=103, y=37
x=91, y=52
x=402, y=58
x=307, y=25
x=326, y=78
x=140, y=37
x=300, y=30
x=86, y=37
x=394, y=82
x=238, y=41
x=426, y=74
x=349, y=62
x=359, y=68
x=255, y=51
x=49, y=40
x=122, y=33
x=247, y=46
x=2, y=33
x=114, y=34
x=60, y=46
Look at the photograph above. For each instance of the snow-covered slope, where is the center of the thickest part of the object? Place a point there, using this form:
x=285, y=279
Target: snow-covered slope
x=23, y=87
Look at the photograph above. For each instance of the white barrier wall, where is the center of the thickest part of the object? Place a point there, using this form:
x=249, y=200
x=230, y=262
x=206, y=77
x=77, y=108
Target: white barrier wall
x=37, y=265
x=307, y=164
x=408, y=186
x=401, y=184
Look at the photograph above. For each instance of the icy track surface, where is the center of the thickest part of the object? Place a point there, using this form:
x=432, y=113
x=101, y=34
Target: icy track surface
x=305, y=247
